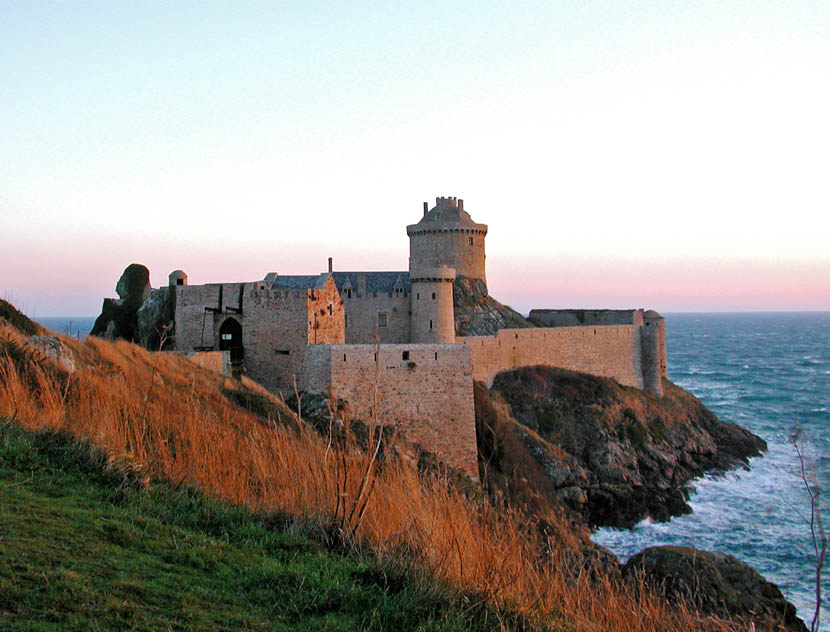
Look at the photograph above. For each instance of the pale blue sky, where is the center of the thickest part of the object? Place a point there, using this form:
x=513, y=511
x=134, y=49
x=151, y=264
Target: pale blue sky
x=663, y=154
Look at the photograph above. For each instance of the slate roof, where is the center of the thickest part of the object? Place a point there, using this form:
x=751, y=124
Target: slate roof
x=375, y=281
x=299, y=282
x=448, y=215
x=379, y=282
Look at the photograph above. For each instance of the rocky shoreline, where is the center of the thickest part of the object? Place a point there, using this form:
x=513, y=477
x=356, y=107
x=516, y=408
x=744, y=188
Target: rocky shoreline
x=555, y=441
x=612, y=454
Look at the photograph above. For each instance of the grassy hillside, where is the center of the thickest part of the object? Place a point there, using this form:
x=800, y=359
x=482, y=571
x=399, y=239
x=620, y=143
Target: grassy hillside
x=87, y=547
x=159, y=417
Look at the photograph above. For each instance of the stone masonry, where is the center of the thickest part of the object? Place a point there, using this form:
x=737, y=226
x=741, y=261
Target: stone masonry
x=386, y=341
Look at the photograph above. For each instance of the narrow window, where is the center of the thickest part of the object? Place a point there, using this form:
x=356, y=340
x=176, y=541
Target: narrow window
x=282, y=351
x=433, y=296
x=346, y=318
x=381, y=319
x=436, y=355
x=330, y=309
x=348, y=293
x=471, y=241
x=344, y=357
x=417, y=296
x=430, y=325
x=405, y=355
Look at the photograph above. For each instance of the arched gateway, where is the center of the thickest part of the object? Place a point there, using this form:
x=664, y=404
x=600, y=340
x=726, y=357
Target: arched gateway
x=230, y=338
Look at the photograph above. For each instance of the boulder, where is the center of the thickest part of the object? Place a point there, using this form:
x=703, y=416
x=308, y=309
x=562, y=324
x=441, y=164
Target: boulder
x=118, y=317
x=53, y=349
x=134, y=285
x=716, y=583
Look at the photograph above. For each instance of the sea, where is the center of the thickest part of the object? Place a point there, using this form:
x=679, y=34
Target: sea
x=768, y=372
x=73, y=326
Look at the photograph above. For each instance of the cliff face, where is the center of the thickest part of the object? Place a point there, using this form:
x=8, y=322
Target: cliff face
x=612, y=454
x=478, y=314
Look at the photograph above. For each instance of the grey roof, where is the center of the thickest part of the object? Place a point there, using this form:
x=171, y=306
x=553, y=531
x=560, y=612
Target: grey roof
x=299, y=282
x=375, y=281
x=447, y=214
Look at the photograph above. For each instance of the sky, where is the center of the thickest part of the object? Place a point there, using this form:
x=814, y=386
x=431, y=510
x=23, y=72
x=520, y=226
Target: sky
x=667, y=155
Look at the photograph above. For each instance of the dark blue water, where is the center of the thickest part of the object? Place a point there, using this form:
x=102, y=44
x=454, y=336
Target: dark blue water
x=73, y=326
x=769, y=373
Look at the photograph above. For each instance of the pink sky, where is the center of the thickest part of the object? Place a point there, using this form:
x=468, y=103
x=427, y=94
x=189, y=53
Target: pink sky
x=70, y=278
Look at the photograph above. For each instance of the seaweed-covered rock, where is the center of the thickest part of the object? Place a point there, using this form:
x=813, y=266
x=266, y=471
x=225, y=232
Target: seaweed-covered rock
x=716, y=583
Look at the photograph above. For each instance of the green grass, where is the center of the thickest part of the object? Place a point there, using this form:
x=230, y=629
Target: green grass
x=86, y=548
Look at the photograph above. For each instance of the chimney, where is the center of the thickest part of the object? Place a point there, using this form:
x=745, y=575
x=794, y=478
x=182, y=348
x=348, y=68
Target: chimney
x=426, y=208
x=460, y=205
x=330, y=265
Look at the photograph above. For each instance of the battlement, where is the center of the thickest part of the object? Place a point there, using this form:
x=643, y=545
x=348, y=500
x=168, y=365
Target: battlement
x=434, y=273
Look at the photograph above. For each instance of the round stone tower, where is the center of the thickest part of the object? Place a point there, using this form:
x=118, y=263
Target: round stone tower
x=448, y=236
x=433, y=317
x=653, y=356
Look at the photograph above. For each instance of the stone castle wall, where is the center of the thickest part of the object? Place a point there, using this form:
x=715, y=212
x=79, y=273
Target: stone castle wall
x=607, y=350
x=191, y=301
x=584, y=317
x=362, y=311
x=424, y=389
x=277, y=325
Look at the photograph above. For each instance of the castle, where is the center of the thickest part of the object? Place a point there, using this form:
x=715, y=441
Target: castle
x=388, y=342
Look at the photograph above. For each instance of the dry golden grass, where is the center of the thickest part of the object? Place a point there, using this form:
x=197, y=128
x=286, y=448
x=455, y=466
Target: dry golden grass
x=162, y=415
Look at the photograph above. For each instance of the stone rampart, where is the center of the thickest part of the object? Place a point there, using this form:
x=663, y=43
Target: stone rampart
x=584, y=317
x=607, y=350
x=424, y=389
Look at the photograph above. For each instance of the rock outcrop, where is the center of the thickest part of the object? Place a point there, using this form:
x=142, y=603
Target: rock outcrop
x=53, y=349
x=140, y=314
x=118, y=317
x=716, y=583
x=612, y=454
x=479, y=314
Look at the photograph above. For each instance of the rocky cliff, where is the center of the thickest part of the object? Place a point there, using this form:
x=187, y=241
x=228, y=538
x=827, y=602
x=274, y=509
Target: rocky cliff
x=479, y=314
x=610, y=453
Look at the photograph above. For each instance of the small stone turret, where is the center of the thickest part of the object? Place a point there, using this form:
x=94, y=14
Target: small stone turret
x=177, y=277
x=448, y=236
x=433, y=317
